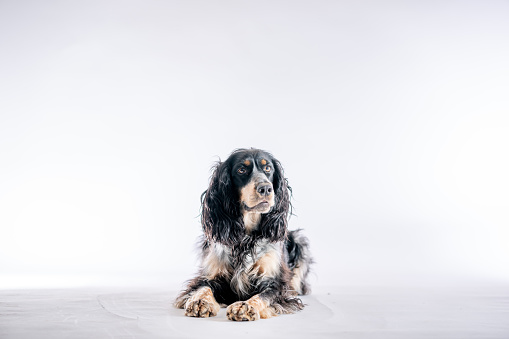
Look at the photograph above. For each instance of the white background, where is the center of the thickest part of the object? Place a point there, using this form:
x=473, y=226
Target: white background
x=390, y=120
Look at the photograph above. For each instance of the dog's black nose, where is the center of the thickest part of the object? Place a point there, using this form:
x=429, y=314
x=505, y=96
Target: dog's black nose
x=264, y=189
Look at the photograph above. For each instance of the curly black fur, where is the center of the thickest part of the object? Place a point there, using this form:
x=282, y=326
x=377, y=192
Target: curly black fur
x=220, y=216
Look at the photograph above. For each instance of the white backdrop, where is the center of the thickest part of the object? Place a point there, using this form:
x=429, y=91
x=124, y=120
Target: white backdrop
x=390, y=119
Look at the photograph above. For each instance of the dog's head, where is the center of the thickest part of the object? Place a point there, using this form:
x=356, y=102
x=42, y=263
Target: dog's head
x=253, y=176
x=249, y=181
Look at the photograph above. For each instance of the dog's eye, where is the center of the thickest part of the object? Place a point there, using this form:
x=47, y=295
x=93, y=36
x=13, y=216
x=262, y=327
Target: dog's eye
x=241, y=170
x=267, y=168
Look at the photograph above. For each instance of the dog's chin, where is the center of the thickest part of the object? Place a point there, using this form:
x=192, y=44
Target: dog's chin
x=262, y=207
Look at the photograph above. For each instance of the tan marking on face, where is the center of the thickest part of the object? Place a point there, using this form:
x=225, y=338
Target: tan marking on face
x=202, y=303
x=247, y=162
x=251, y=198
x=263, y=162
x=248, y=194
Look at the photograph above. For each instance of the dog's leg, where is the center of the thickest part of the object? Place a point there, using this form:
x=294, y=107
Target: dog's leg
x=199, y=303
x=299, y=261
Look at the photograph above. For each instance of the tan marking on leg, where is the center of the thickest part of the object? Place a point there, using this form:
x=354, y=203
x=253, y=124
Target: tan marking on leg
x=295, y=283
x=268, y=265
x=249, y=310
x=202, y=304
x=267, y=313
x=262, y=306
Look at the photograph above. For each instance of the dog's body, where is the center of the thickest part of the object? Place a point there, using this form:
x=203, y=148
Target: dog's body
x=249, y=260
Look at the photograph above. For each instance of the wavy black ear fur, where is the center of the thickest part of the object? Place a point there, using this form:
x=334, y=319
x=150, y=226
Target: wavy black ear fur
x=221, y=216
x=274, y=225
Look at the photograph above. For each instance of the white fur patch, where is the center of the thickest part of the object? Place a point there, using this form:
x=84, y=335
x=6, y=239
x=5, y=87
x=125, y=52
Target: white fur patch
x=217, y=262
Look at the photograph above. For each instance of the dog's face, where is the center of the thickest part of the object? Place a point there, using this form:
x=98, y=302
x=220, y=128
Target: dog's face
x=250, y=184
x=252, y=176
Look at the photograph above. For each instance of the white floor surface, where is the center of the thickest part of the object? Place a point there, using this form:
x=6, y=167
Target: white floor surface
x=330, y=313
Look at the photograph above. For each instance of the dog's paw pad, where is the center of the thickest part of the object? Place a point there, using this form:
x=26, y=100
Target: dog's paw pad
x=242, y=311
x=200, y=308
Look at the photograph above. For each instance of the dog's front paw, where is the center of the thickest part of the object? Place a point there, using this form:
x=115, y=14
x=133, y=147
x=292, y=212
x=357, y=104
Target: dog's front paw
x=242, y=311
x=201, y=308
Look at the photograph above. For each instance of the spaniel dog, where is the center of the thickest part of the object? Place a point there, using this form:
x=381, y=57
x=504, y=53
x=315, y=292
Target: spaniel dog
x=249, y=259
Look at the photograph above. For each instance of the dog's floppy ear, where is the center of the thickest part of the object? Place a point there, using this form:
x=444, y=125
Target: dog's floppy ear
x=220, y=214
x=274, y=224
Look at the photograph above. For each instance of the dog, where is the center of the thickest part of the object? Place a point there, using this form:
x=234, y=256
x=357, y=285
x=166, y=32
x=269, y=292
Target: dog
x=250, y=262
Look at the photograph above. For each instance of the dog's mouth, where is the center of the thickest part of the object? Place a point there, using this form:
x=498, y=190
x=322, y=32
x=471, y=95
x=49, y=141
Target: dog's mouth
x=261, y=206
